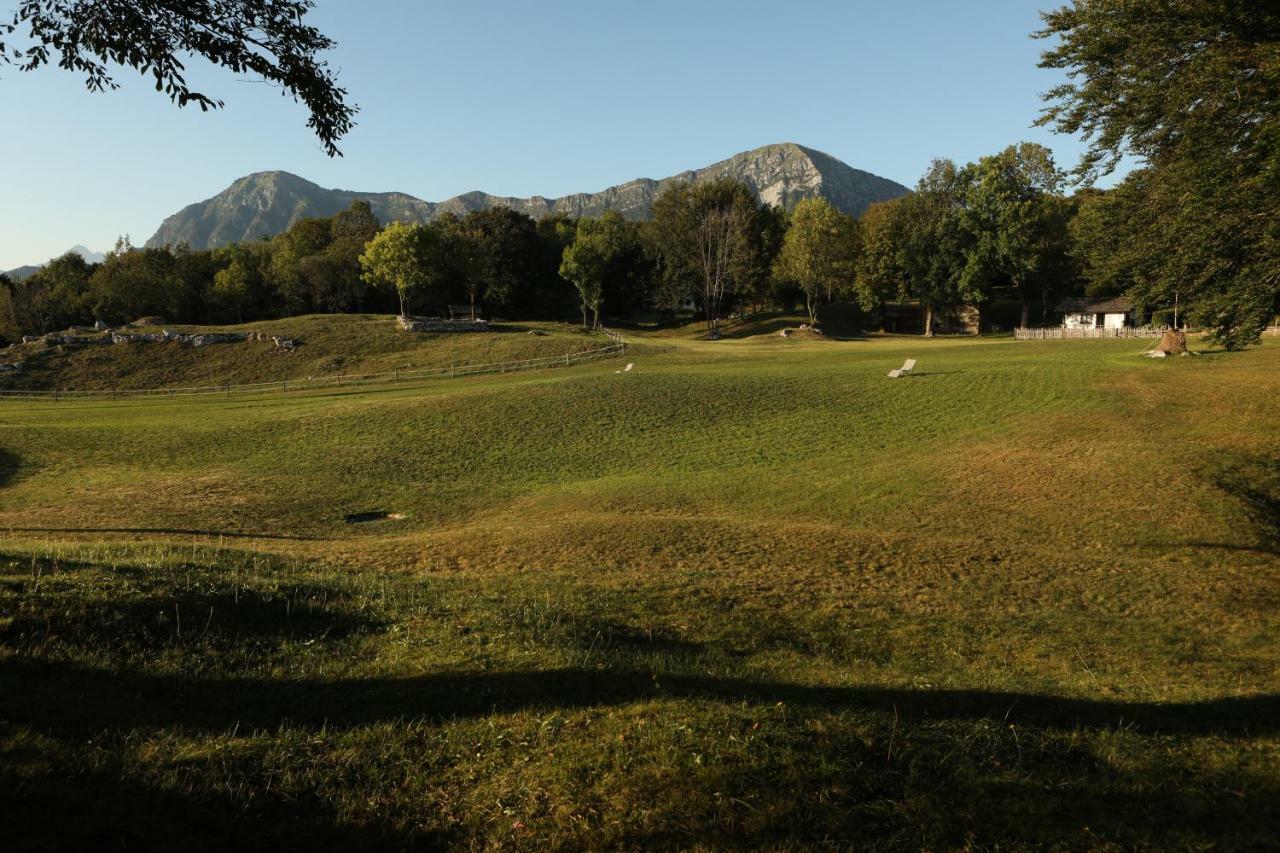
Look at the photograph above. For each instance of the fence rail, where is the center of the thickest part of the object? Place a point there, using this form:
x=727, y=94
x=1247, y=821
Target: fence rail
x=1058, y=333
x=616, y=346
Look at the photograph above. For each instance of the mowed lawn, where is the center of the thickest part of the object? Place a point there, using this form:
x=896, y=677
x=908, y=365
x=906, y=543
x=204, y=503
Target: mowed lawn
x=751, y=594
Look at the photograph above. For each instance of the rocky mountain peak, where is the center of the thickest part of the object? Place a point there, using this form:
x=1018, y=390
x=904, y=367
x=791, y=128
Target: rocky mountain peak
x=267, y=203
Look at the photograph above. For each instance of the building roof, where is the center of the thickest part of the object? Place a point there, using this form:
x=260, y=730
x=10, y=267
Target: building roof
x=1087, y=305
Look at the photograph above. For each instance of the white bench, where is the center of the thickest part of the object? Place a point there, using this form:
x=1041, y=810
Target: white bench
x=907, y=367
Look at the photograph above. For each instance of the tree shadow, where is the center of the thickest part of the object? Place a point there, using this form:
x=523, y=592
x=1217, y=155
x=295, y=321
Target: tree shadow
x=239, y=620
x=96, y=810
x=10, y=467
x=964, y=780
x=168, y=531
x=53, y=698
x=756, y=327
x=1254, y=482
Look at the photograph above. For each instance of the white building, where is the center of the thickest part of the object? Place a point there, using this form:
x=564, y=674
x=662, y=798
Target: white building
x=1086, y=313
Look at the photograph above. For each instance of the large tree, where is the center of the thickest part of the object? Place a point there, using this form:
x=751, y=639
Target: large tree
x=133, y=283
x=917, y=247
x=1190, y=89
x=53, y=297
x=1012, y=211
x=506, y=250
x=265, y=38
x=598, y=253
x=819, y=252
x=708, y=235
x=397, y=258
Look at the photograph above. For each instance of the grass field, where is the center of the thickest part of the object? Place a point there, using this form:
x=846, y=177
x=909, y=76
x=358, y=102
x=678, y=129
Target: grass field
x=751, y=594
x=327, y=345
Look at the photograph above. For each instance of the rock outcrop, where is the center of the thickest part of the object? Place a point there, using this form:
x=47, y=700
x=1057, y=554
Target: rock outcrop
x=439, y=324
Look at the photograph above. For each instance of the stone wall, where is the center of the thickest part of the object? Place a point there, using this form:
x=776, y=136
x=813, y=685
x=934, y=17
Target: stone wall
x=438, y=324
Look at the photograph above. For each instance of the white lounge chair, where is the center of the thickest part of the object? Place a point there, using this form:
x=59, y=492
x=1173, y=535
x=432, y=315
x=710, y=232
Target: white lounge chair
x=907, y=367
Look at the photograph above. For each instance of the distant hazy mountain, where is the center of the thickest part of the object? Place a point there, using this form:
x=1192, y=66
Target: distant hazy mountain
x=20, y=273
x=88, y=254
x=267, y=203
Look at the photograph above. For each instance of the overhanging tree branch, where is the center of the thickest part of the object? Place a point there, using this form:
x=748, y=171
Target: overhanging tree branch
x=265, y=38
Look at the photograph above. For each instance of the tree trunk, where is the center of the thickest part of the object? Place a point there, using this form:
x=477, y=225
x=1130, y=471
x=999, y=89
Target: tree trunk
x=1026, y=307
x=401, y=294
x=811, y=308
x=928, y=321
x=595, y=316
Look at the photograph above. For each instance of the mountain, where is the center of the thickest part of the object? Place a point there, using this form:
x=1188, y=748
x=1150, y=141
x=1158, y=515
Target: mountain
x=89, y=255
x=20, y=273
x=25, y=272
x=267, y=203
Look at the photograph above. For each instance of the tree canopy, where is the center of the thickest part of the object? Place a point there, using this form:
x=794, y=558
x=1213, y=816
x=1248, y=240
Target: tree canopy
x=396, y=258
x=819, y=252
x=1190, y=89
x=709, y=238
x=266, y=38
x=595, y=256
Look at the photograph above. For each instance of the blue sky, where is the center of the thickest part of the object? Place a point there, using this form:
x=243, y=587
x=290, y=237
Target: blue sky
x=546, y=98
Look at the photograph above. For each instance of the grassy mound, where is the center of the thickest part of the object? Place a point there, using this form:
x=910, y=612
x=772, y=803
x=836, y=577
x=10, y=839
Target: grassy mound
x=327, y=344
x=747, y=595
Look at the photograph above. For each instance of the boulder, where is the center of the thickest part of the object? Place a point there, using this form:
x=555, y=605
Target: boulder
x=210, y=338
x=1173, y=342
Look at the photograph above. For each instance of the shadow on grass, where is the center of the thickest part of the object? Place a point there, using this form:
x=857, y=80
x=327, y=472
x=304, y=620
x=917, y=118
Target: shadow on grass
x=10, y=464
x=1254, y=481
x=52, y=697
x=845, y=786
x=243, y=619
x=166, y=531
x=95, y=810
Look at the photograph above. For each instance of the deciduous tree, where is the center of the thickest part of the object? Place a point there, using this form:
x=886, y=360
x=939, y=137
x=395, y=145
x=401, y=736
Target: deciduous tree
x=819, y=252
x=707, y=233
x=266, y=38
x=1189, y=89
x=596, y=251
x=1009, y=208
x=396, y=258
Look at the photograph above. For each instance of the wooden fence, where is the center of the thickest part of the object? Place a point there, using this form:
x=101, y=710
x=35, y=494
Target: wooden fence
x=615, y=347
x=1058, y=333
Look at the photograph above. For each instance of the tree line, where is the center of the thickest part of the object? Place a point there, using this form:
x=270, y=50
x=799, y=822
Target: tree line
x=999, y=229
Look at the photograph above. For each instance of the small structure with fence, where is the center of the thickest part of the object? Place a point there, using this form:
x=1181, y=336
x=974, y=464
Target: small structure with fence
x=1062, y=333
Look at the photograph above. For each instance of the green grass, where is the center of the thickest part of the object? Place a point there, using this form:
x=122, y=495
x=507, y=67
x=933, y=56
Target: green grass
x=751, y=594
